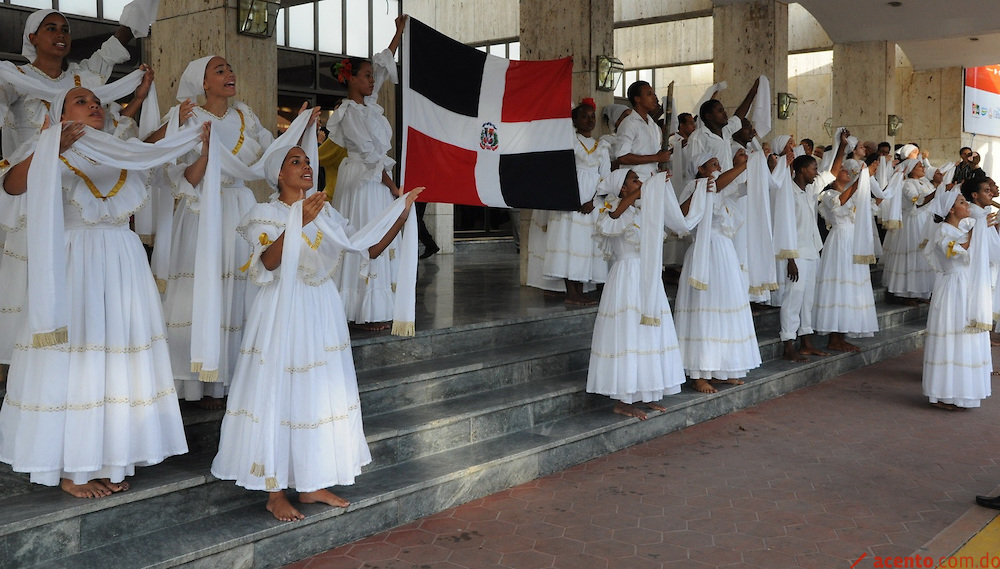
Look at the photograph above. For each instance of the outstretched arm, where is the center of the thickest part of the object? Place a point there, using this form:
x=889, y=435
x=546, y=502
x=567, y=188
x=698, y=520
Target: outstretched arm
x=400, y=24
x=744, y=108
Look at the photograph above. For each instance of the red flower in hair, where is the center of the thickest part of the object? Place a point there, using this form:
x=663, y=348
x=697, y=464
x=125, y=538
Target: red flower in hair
x=589, y=102
x=343, y=70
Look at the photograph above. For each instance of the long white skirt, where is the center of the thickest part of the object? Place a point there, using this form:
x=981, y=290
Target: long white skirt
x=715, y=326
x=906, y=271
x=571, y=251
x=14, y=287
x=237, y=293
x=630, y=362
x=321, y=441
x=361, y=200
x=957, y=364
x=103, y=403
x=844, y=299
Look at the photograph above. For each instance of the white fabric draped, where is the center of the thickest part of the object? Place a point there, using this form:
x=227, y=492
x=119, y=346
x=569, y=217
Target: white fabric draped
x=48, y=313
x=761, y=113
x=660, y=209
x=864, y=222
x=785, y=232
x=760, y=241
x=139, y=15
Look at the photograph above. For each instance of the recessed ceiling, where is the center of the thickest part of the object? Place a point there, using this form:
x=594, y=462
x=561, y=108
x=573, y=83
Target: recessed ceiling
x=932, y=33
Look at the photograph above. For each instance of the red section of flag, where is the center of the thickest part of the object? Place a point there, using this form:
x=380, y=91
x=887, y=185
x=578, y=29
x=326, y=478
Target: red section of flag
x=986, y=78
x=446, y=171
x=538, y=90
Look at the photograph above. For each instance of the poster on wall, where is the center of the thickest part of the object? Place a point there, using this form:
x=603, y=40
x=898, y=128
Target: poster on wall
x=981, y=111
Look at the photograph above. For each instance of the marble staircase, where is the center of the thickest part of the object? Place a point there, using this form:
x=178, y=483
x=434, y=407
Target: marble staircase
x=451, y=415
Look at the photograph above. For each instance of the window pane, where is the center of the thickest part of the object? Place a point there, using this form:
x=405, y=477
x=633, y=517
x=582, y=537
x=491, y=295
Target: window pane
x=499, y=50
x=647, y=76
x=483, y=48
x=331, y=26
x=384, y=13
x=301, y=26
x=357, y=28
x=33, y=3
x=515, y=50
x=82, y=7
x=296, y=69
x=279, y=28
x=113, y=9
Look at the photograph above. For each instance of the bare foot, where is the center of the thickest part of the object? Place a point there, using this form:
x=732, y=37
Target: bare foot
x=114, y=487
x=629, y=411
x=211, y=403
x=323, y=497
x=995, y=373
x=813, y=352
x=551, y=293
x=794, y=356
x=372, y=326
x=727, y=381
x=994, y=343
x=580, y=301
x=911, y=302
x=704, y=386
x=281, y=508
x=654, y=406
x=92, y=489
x=946, y=406
x=843, y=346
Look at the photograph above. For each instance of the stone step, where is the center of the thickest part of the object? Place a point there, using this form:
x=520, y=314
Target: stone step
x=246, y=536
x=429, y=405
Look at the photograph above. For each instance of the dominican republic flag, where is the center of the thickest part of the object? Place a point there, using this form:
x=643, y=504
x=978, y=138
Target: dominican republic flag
x=486, y=131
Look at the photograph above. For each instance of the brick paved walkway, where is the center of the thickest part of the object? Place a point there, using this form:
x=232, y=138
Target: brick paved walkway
x=859, y=464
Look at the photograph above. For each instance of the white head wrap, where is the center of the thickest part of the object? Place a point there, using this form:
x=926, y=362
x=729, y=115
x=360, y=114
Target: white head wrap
x=273, y=163
x=30, y=27
x=614, y=112
x=720, y=86
x=904, y=152
x=778, y=143
x=697, y=162
x=192, y=82
x=612, y=185
x=943, y=203
x=853, y=167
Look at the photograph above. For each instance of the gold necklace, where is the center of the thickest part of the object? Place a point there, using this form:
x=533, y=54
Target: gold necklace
x=589, y=150
x=90, y=183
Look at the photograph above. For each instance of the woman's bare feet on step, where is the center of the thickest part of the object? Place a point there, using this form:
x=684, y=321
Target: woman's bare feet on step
x=323, y=497
x=947, y=406
x=92, y=489
x=726, y=381
x=654, y=406
x=281, y=508
x=704, y=386
x=372, y=326
x=838, y=343
x=629, y=411
x=114, y=486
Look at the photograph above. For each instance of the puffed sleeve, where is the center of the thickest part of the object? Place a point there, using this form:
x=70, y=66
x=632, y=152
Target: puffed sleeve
x=260, y=227
x=385, y=68
x=610, y=227
x=102, y=62
x=354, y=128
x=951, y=247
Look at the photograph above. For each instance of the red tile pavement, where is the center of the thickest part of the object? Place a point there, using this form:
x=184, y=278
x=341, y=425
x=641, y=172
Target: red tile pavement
x=860, y=464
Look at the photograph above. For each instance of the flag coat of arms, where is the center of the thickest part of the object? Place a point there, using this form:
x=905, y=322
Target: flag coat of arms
x=483, y=130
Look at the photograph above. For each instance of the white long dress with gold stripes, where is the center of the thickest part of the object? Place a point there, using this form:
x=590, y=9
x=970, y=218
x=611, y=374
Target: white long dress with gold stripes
x=320, y=441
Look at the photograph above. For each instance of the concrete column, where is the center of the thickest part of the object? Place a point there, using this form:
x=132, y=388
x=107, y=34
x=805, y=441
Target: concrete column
x=553, y=29
x=864, y=86
x=749, y=40
x=188, y=29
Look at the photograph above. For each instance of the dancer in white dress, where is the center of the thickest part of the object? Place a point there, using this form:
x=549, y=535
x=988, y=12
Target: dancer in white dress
x=571, y=252
x=46, y=43
x=845, y=303
x=90, y=394
x=364, y=181
x=294, y=414
x=714, y=323
x=957, y=356
x=907, y=274
x=635, y=360
x=240, y=131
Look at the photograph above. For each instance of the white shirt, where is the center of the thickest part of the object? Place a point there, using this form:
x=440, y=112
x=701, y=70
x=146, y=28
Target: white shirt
x=704, y=140
x=639, y=137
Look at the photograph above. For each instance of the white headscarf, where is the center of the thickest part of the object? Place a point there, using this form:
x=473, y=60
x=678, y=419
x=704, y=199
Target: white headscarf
x=192, y=82
x=778, y=143
x=907, y=166
x=30, y=27
x=614, y=112
x=612, y=185
x=273, y=163
x=904, y=152
x=697, y=162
